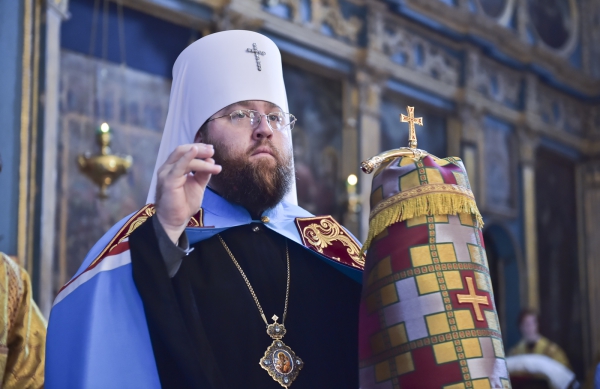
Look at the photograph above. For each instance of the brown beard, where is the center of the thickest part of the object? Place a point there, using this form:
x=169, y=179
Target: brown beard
x=256, y=186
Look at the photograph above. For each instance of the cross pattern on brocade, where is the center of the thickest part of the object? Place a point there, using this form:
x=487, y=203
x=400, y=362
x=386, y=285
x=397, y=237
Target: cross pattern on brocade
x=424, y=361
x=412, y=309
x=461, y=236
x=482, y=367
x=399, y=250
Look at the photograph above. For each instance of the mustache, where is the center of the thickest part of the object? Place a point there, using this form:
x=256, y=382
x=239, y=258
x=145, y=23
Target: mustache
x=268, y=143
x=255, y=186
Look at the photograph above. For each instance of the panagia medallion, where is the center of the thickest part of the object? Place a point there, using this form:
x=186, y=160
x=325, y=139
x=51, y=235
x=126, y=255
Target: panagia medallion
x=282, y=364
x=279, y=361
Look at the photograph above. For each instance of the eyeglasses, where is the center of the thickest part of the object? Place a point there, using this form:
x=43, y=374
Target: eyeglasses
x=251, y=118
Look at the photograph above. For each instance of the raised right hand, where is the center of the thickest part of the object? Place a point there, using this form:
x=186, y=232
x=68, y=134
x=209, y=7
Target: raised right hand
x=179, y=192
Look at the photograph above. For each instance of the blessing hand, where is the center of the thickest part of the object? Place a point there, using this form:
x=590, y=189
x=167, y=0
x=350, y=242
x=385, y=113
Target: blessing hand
x=181, y=183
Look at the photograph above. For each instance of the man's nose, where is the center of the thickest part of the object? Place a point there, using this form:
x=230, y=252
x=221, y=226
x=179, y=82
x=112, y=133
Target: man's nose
x=263, y=130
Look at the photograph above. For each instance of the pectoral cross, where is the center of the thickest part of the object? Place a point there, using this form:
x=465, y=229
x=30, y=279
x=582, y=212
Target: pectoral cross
x=256, y=52
x=411, y=120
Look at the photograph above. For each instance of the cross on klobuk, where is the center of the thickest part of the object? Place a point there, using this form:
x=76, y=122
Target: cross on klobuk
x=256, y=52
x=473, y=298
x=411, y=120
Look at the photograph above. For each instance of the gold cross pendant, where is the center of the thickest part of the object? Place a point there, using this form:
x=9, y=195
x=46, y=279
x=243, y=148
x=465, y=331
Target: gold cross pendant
x=411, y=120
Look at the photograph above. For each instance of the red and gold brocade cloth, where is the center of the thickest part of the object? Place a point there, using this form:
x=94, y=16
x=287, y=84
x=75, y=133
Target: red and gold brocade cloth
x=427, y=315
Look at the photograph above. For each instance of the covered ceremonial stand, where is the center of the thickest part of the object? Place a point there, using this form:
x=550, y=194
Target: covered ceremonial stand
x=427, y=315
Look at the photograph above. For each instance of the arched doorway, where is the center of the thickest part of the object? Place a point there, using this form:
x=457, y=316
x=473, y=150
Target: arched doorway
x=504, y=272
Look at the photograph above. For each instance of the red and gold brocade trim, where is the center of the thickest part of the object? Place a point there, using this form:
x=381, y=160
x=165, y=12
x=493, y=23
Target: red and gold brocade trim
x=326, y=236
x=117, y=245
x=133, y=223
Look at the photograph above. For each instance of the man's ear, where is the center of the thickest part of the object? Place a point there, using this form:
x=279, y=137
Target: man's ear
x=201, y=134
x=198, y=138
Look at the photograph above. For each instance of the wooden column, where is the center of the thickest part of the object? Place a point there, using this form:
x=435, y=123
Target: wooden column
x=469, y=136
x=369, y=106
x=527, y=147
x=350, y=153
x=56, y=12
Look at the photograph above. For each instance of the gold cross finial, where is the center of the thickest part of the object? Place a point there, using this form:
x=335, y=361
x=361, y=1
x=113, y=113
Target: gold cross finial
x=411, y=120
x=473, y=298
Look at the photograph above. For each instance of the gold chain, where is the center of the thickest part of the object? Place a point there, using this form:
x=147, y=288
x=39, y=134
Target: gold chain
x=287, y=289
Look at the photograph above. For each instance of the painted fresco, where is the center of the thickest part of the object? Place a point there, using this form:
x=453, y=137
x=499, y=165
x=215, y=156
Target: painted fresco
x=135, y=105
x=317, y=138
x=499, y=166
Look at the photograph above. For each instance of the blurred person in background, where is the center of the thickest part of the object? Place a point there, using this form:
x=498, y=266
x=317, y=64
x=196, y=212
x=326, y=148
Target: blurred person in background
x=22, y=328
x=533, y=342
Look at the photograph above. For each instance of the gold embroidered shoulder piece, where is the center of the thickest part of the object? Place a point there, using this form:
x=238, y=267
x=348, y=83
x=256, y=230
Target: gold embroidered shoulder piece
x=326, y=236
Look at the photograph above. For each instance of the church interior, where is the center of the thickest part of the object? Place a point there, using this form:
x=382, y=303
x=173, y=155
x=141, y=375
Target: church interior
x=510, y=87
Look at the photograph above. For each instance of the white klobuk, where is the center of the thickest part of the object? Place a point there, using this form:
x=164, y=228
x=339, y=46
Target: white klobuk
x=212, y=73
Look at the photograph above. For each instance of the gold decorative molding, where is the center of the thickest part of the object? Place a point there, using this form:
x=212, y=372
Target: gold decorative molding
x=32, y=12
x=328, y=12
x=301, y=33
x=490, y=86
x=414, y=52
x=230, y=19
x=25, y=118
x=531, y=239
x=494, y=81
x=325, y=13
x=510, y=42
x=560, y=111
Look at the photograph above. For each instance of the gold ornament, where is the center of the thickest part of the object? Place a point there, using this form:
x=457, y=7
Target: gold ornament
x=412, y=151
x=104, y=169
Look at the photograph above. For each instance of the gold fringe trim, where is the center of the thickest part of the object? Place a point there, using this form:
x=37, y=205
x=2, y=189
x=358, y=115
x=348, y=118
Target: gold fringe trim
x=424, y=205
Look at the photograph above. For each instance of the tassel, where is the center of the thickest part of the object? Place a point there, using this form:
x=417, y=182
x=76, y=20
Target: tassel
x=425, y=205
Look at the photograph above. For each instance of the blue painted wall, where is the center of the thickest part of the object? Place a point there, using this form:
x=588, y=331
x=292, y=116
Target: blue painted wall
x=11, y=41
x=152, y=45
